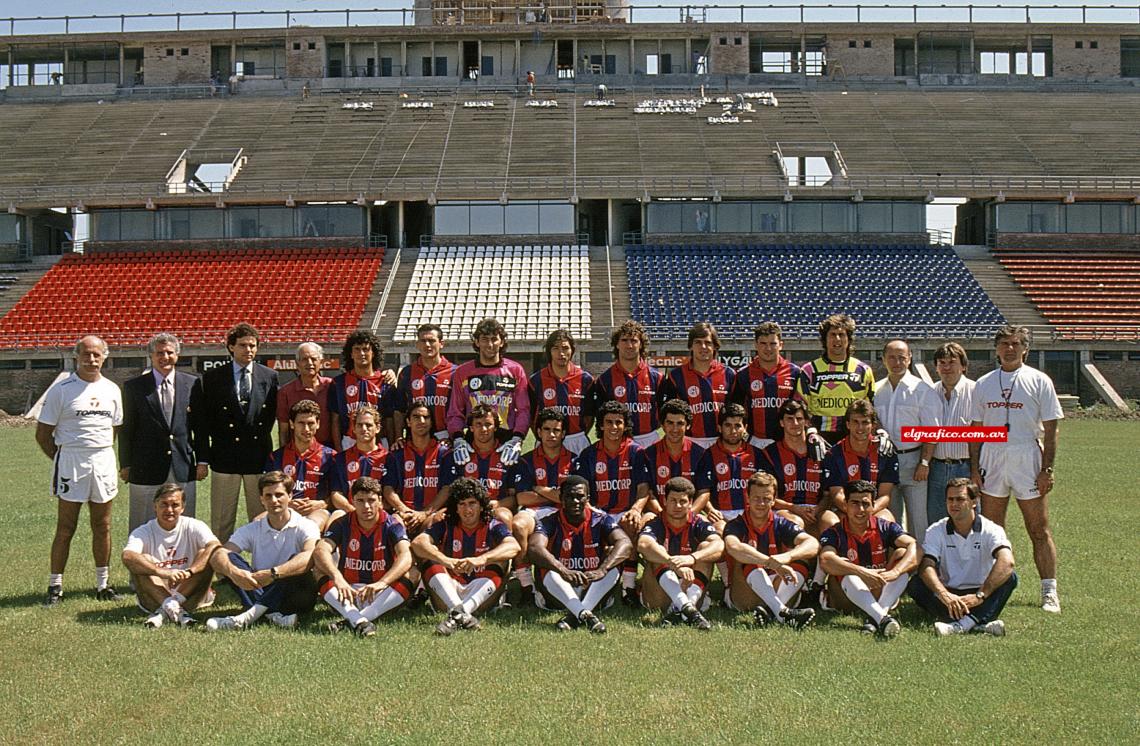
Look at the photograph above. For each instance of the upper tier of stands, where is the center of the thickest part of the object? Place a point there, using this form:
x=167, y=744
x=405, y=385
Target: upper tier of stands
x=532, y=290
x=904, y=290
x=288, y=295
x=1091, y=295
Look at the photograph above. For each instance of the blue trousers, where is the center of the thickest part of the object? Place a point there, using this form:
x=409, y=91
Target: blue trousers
x=293, y=595
x=940, y=474
x=989, y=610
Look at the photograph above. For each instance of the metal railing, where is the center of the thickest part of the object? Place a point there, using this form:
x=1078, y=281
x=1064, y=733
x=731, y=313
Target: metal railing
x=395, y=265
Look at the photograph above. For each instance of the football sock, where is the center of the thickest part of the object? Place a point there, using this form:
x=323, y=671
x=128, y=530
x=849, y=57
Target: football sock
x=629, y=575
x=102, y=576
x=444, y=587
x=564, y=592
x=477, y=592
x=251, y=615
x=599, y=589
x=384, y=602
x=893, y=591
x=819, y=577
x=761, y=585
x=1048, y=585
x=861, y=596
x=55, y=578
x=346, y=610
x=671, y=584
x=694, y=593
x=787, y=590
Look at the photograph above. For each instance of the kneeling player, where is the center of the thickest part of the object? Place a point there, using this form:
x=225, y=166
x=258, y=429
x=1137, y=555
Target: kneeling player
x=868, y=559
x=679, y=548
x=770, y=556
x=368, y=578
x=579, y=577
x=169, y=560
x=465, y=556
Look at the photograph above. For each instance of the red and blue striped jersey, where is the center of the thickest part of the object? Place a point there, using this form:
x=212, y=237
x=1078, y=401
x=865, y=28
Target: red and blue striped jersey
x=567, y=395
x=777, y=535
x=349, y=392
x=684, y=540
x=582, y=547
x=763, y=392
x=705, y=393
x=868, y=550
x=798, y=478
x=725, y=475
x=433, y=387
x=664, y=467
x=314, y=471
x=843, y=465
x=352, y=464
x=534, y=469
x=414, y=475
x=456, y=542
x=486, y=469
x=639, y=393
x=365, y=555
x=613, y=479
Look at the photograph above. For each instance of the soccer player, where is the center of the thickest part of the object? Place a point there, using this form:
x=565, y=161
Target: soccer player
x=769, y=558
x=428, y=378
x=857, y=456
x=76, y=429
x=679, y=548
x=276, y=583
x=966, y=573
x=496, y=381
x=168, y=558
x=411, y=473
x=464, y=557
x=563, y=385
x=312, y=466
x=900, y=400
x=831, y=382
x=309, y=384
x=798, y=475
x=1023, y=401
x=578, y=551
x=675, y=455
x=534, y=481
x=365, y=458
x=368, y=576
x=950, y=403
x=631, y=382
x=485, y=465
x=867, y=559
x=361, y=383
x=765, y=384
x=702, y=381
x=619, y=480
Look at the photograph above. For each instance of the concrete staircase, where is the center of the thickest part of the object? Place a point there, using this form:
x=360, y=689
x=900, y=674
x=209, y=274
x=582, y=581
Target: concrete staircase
x=1002, y=289
x=609, y=288
x=26, y=275
x=386, y=328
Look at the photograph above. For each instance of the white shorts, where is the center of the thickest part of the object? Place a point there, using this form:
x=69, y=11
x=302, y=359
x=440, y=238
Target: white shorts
x=1011, y=470
x=705, y=443
x=647, y=439
x=576, y=442
x=540, y=512
x=80, y=475
x=730, y=514
x=761, y=442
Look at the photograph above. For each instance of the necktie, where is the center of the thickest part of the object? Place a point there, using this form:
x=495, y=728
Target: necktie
x=243, y=388
x=166, y=396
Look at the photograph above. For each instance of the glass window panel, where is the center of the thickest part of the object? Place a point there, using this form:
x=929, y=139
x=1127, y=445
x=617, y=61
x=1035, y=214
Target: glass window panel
x=522, y=218
x=136, y=225
x=1112, y=219
x=487, y=219
x=875, y=217
x=768, y=217
x=837, y=217
x=1013, y=217
x=556, y=217
x=695, y=218
x=805, y=217
x=909, y=217
x=275, y=222
x=10, y=228
x=452, y=220
x=1082, y=218
x=733, y=217
x=1045, y=218
x=664, y=217
x=106, y=226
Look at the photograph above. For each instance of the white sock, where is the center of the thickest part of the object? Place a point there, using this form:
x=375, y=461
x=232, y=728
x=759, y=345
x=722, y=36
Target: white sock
x=447, y=589
x=557, y=586
x=597, y=590
x=102, y=576
x=893, y=591
x=694, y=593
x=55, y=578
x=251, y=615
x=476, y=593
x=1048, y=585
x=761, y=585
x=178, y=597
x=388, y=599
x=526, y=579
x=671, y=584
x=819, y=577
x=628, y=578
x=787, y=590
x=346, y=610
x=858, y=593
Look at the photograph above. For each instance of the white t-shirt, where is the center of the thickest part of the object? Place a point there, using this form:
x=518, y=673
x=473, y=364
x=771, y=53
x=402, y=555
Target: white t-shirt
x=270, y=547
x=83, y=414
x=174, y=549
x=1024, y=399
x=964, y=561
x=901, y=406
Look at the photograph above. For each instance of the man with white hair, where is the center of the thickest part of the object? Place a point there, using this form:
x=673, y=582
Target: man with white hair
x=77, y=425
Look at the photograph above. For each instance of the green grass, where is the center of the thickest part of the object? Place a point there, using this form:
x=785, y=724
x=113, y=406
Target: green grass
x=90, y=671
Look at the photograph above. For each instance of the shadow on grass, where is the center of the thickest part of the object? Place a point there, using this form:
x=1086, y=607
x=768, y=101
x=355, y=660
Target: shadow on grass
x=23, y=601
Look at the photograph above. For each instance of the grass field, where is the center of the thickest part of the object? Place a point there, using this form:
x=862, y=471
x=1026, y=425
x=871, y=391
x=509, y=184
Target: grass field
x=90, y=672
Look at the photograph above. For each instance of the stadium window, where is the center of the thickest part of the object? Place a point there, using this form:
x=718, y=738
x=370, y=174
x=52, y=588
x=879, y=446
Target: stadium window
x=1082, y=218
x=185, y=51
x=44, y=364
x=1045, y=218
x=1079, y=44
x=1013, y=217
x=736, y=41
x=837, y=217
x=908, y=217
x=852, y=44
x=12, y=365
x=664, y=217
x=170, y=52
x=312, y=45
x=1133, y=357
x=555, y=218
x=768, y=217
x=296, y=46
x=1130, y=56
x=521, y=219
x=452, y=220
x=874, y=217
x=805, y=217
x=732, y=217
x=486, y=219
x=723, y=41
x=650, y=64
x=136, y=225
x=1094, y=45
x=1115, y=218
x=1107, y=356
x=866, y=44
x=128, y=363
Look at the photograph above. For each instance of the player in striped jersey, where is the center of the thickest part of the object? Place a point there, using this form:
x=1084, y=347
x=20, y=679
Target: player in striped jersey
x=411, y=473
x=679, y=548
x=368, y=576
x=701, y=381
x=630, y=381
x=675, y=455
x=765, y=384
x=464, y=557
x=868, y=559
x=724, y=469
x=427, y=378
x=365, y=458
x=857, y=456
x=312, y=466
x=361, y=383
x=577, y=551
x=831, y=382
x=798, y=475
x=562, y=385
x=485, y=465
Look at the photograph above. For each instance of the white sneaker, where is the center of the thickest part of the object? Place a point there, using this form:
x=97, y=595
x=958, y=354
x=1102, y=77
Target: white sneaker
x=155, y=620
x=223, y=623
x=1051, y=602
x=171, y=609
x=944, y=629
x=185, y=620
x=285, y=621
x=996, y=628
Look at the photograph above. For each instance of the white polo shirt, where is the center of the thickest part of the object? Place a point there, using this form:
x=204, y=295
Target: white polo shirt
x=964, y=561
x=269, y=547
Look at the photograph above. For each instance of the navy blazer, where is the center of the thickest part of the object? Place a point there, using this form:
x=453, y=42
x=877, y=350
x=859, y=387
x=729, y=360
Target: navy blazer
x=229, y=440
x=149, y=448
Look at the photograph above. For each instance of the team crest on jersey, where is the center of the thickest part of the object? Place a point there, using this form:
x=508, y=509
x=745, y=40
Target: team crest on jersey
x=567, y=544
x=353, y=544
x=722, y=469
x=475, y=384
x=619, y=391
x=852, y=470
x=663, y=471
x=456, y=546
x=417, y=384
x=409, y=465
x=756, y=385
x=694, y=391
x=353, y=467
x=289, y=469
x=471, y=467
x=94, y=402
x=540, y=473
x=350, y=389
x=852, y=554
x=600, y=467
x=548, y=394
x=790, y=469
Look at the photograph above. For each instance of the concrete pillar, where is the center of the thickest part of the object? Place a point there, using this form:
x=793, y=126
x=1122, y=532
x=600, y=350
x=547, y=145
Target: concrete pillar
x=610, y=222
x=403, y=59
x=400, y=225
x=688, y=56
x=348, y=59
x=518, y=57
x=376, y=59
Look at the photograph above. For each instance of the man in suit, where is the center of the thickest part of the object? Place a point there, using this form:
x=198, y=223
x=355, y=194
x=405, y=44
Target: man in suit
x=233, y=408
x=155, y=444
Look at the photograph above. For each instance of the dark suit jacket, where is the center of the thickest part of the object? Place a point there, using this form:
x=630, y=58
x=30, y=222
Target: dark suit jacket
x=229, y=440
x=148, y=447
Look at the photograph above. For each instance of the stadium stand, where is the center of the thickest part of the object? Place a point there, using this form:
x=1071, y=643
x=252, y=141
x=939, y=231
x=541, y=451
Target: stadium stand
x=1091, y=294
x=887, y=288
x=125, y=297
x=530, y=289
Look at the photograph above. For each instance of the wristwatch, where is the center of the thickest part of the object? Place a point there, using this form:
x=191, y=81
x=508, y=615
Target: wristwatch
x=273, y=573
x=924, y=462
x=980, y=594
x=1048, y=470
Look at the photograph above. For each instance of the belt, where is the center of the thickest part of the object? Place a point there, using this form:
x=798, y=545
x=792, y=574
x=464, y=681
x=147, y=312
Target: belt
x=908, y=450
x=952, y=460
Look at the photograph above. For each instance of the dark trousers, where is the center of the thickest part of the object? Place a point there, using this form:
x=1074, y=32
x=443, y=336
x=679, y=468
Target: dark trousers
x=293, y=595
x=987, y=612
